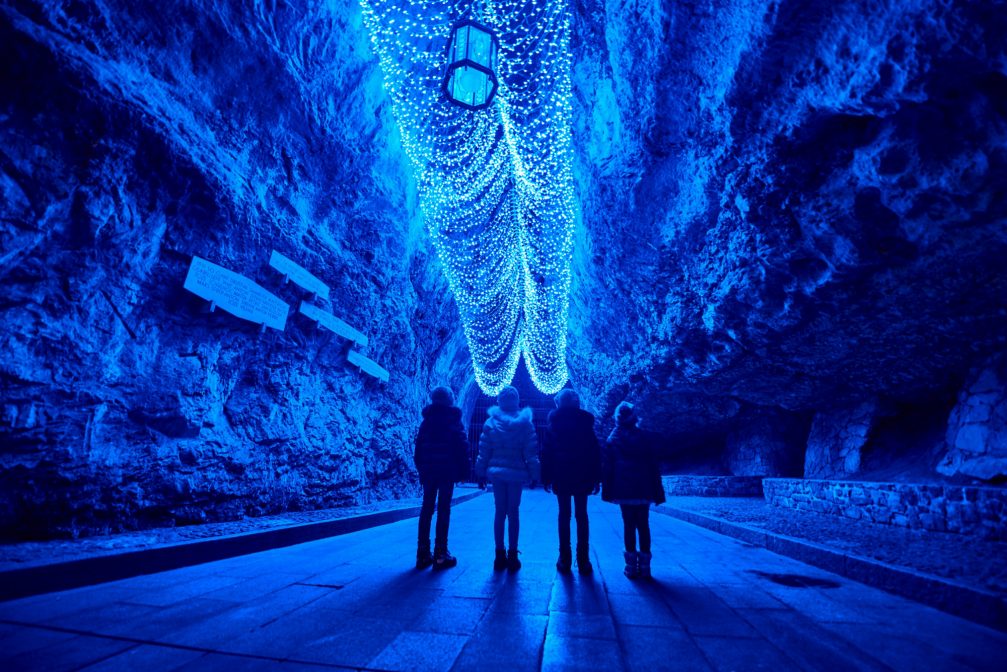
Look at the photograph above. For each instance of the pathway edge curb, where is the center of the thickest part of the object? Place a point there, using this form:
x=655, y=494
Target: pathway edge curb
x=40, y=579
x=953, y=598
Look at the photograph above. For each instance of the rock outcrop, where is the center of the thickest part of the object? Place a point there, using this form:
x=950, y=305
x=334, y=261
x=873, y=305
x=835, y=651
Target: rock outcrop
x=836, y=439
x=977, y=429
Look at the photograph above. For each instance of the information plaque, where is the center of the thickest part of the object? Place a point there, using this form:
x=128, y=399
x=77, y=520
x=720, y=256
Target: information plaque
x=236, y=294
x=298, y=275
x=332, y=323
x=368, y=366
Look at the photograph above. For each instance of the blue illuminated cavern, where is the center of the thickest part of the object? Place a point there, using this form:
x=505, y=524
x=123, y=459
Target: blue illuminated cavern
x=242, y=242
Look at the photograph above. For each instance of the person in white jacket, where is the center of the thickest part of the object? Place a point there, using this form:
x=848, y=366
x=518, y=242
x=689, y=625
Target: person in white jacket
x=508, y=458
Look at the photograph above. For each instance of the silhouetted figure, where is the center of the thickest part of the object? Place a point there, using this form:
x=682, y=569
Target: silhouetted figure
x=571, y=468
x=441, y=459
x=508, y=457
x=631, y=478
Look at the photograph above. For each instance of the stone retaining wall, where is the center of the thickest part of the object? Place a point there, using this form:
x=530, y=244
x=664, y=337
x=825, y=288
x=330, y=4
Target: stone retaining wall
x=713, y=486
x=939, y=508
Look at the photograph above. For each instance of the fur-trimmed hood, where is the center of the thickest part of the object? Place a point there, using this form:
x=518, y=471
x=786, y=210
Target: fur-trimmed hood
x=504, y=418
x=508, y=448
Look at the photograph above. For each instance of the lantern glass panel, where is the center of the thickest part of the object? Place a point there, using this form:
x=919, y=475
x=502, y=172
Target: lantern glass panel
x=480, y=47
x=469, y=85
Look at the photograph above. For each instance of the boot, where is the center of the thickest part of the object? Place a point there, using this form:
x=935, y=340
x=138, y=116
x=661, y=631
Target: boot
x=423, y=557
x=565, y=561
x=632, y=570
x=513, y=564
x=443, y=559
x=500, y=563
x=584, y=562
x=644, y=564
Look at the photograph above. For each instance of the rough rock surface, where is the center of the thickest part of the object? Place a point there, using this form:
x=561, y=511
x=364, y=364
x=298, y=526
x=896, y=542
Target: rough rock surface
x=134, y=138
x=835, y=441
x=785, y=208
x=767, y=443
x=787, y=204
x=977, y=429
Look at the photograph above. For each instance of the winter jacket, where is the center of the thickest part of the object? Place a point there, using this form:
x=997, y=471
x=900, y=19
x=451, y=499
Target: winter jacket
x=571, y=456
x=441, y=447
x=508, y=449
x=630, y=468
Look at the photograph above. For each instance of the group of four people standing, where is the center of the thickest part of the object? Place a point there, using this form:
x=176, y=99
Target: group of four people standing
x=572, y=465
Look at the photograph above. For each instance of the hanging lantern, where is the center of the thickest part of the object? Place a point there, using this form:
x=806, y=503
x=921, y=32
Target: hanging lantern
x=471, y=80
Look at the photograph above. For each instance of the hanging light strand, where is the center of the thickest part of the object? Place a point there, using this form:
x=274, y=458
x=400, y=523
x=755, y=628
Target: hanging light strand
x=496, y=185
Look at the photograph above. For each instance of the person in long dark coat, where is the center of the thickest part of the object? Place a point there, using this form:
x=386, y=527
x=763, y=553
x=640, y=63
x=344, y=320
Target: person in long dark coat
x=631, y=478
x=571, y=468
x=441, y=459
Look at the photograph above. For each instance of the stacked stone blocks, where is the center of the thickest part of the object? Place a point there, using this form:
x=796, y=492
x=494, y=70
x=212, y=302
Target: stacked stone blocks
x=979, y=511
x=712, y=486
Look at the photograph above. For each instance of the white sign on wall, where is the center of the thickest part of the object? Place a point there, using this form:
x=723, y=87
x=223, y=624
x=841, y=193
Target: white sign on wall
x=332, y=323
x=368, y=366
x=236, y=294
x=299, y=275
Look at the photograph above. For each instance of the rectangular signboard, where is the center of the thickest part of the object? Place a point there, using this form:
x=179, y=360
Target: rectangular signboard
x=236, y=294
x=368, y=366
x=332, y=323
x=299, y=275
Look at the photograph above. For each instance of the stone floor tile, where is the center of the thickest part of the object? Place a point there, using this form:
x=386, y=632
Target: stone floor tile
x=903, y=649
x=523, y=598
x=69, y=654
x=649, y=610
x=117, y=617
x=807, y=643
x=146, y=658
x=649, y=649
x=220, y=662
x=353, y=642
x=589, y=626
x=574, y=654
x=453, y=615
x=703, y=613
x=579, y=597
x=750, y=655
x=28, y=639
x=420, y=652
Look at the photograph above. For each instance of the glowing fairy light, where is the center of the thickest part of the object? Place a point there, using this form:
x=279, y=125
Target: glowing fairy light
x=496, y=184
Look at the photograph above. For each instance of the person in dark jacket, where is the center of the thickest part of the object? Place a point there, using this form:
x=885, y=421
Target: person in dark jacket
x=631, y=478
x=441, y=459
x=571, y=468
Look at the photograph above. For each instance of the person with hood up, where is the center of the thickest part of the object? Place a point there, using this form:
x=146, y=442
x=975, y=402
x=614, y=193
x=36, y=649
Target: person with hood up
x=441, y=459
x=508, y=457
x=571, y=468
x=631, y=478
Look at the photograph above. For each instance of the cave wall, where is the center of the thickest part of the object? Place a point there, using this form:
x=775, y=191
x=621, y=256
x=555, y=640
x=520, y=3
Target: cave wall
x=789, y=205
x=133, y=139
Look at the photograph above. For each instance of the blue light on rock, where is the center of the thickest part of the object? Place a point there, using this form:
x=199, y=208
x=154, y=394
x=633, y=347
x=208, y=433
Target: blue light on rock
x=496, y=183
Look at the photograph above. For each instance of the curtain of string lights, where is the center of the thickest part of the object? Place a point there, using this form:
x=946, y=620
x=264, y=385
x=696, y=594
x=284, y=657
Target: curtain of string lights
x=495, y=185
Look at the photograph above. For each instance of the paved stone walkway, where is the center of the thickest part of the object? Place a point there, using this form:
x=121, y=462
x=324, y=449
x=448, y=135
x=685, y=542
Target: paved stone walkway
x=355, y=601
